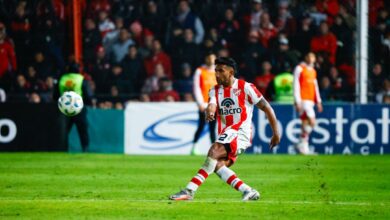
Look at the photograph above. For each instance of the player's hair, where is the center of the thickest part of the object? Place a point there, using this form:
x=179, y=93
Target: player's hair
x=227, y=61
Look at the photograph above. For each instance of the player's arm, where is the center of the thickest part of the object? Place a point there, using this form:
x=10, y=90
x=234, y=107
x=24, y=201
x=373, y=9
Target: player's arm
x=211, y=108
x=269, y=112
x=297, y=88
x=318, y=96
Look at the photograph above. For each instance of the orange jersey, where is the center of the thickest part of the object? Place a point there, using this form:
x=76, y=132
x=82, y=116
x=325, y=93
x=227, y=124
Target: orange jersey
x=204, y=80
x=305, y=84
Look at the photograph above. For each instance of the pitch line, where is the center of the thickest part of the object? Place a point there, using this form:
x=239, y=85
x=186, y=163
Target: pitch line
x=200, y=201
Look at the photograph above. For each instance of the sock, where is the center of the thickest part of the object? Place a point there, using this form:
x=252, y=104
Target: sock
x=307, y=129
x=207, y=169
x=230, y=178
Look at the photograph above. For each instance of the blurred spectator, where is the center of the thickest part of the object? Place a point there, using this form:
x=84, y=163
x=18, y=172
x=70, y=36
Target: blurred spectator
x=377, y=34
x=114, y=100
x=117, y=78
x=100, y=70
x=252, y=20
x=91, y=40
x=285, y=22
x=305, y=32
x=3, y=96
x=112, y=36
x=36, y=84
x=385, y=52
x=154, y=20
x=96, y=6
x=261, y=81
x=34, y=98
x=51, y=8
x=105, y=24
x=48, y=90
x=20, y=90
x=21, y=33
x=329, y=8
x=145, y=50
x=283, y=59
x=120, y=47
x=384, y=93
x=230, y=31
x=129, y=10
x=42, y=66
x=158, y=56
x=49, y=38
x=339, y=90
x=376, y=79
x=349, y=20
x=7, y=55
x=325, y=89
x=325, y=41
x=133, y=69
x=165, y=92
x=151, y=83
x=184, y=84
x=144, y=97
x=185, y=52
x=184, y=19
x=252, y=56
x=267, y=30
x=344, y=39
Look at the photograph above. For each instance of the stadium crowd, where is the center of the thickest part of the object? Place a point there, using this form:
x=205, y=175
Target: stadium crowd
x=148, y=50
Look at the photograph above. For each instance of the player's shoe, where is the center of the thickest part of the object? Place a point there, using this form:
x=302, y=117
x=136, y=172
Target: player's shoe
x=302, y=147
x=184, y=194
x=251, y=194
x=194, y=150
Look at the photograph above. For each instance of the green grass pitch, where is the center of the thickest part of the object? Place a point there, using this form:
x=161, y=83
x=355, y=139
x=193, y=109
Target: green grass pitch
x=99, y=186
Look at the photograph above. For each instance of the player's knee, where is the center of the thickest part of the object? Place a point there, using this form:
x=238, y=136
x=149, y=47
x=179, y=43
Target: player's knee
x=216, y=151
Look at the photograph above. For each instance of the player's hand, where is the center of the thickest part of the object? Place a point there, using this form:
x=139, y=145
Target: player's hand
x=202, y=108
x=298, y=107
x=275, y=140
x=319, y=107
x=210, y=116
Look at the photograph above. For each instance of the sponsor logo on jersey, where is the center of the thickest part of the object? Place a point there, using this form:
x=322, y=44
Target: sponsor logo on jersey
x=227, y=107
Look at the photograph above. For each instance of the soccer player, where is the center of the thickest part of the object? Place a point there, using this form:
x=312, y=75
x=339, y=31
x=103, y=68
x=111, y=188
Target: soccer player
x=231, y=104
x=204, y=80
x=306, y=95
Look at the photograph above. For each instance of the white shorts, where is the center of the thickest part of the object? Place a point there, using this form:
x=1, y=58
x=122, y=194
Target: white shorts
x=238, y=142
x=307, y=110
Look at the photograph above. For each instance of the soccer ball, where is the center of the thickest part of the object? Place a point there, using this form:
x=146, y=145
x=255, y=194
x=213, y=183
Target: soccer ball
x=70, y=103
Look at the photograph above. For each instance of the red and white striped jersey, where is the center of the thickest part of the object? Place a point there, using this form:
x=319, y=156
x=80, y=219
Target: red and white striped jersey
x=234, y=105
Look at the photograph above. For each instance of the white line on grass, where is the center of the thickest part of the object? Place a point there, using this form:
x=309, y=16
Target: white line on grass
x=200, y=201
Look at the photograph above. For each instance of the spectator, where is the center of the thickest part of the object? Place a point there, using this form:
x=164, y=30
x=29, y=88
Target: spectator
x=96, y=6
x=376, y=79
x=384, y=93
x=3, y=96
x=305, y=32
x=21, y=33
x=186, y=52
x=36, y=84
x=34, y=98
x=186, y=19
x=158, y=56
x=129, y=10
x=20, y=90
x=120, y=47
x=261, y=81
x=325, y=89
x=145, y=50
x=117, y=78
x=344, y=39
x=154, y=20
x=48, y=90
x=91, y=40
x=151, y=83
x=325, y=41
x=51, y=8
x=267, y=30
x=252, y=55
x=100, y=70
x=105, y=24
x=329, y=8
x=252, y=20
x=165, y=92
x=112, y=36
x=42, y=66
x=184, y=85
x=339, y=90
x=7, y=55
x=285, y=22
x=230, y=31
x=133, y=69
x=284, y=59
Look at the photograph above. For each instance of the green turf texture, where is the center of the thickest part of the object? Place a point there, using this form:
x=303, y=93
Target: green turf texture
x=99, y=186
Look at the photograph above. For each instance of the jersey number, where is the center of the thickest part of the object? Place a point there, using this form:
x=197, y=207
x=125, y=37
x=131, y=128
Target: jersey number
x=222, y=137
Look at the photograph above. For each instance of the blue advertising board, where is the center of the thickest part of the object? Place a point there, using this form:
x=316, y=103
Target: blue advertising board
x=341, y=129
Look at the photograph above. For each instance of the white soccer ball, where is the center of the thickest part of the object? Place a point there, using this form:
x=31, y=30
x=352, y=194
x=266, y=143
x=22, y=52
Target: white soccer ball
x=70, y=103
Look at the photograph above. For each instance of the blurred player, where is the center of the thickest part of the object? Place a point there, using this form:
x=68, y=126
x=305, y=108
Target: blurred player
x=231, y=104
x=204, y=80
x=306, y=95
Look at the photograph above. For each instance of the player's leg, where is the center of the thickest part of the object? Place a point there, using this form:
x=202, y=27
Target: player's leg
x=235, y=147
x=216, y=152
x=212, y=126
x=82, y=128
x=308, y=123
x=201, y=124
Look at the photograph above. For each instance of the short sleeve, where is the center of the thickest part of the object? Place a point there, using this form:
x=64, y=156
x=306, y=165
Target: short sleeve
x=212, y=98
x=254, y=96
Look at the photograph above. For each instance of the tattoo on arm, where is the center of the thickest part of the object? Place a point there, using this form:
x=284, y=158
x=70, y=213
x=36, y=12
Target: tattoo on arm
x=262, y=104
